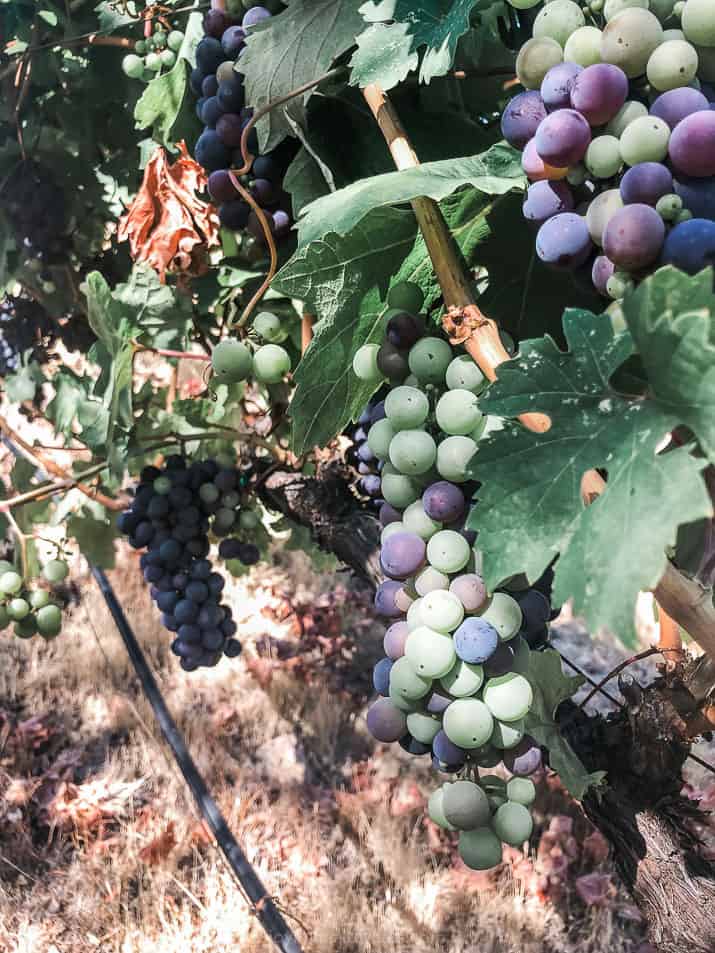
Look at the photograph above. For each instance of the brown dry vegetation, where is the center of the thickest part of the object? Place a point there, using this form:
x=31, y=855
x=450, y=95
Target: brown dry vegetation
x=101, y=847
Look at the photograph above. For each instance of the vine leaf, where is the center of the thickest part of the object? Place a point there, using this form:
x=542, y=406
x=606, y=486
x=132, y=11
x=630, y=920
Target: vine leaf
x=161, y=314
x=530, y=507
x=551, y=686
x=388, y=49
x=496, y=171
x=290, y=49
x=95, y=537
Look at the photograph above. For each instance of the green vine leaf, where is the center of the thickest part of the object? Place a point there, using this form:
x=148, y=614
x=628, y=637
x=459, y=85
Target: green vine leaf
x=23, y=384
x=95, y=538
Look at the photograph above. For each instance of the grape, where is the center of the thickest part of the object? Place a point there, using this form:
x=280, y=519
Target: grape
x=544, y=200
x=39, y=598
x=508, y=697
x=480, y=849
x=522, y=116
x=229, y=129
x=233, y=41
x=381, y=676
x=465, y=805
x=629, y=39
x=269, y=327
x=133, y=66
x=398, y=489
x=706, y=68
x=394, y=641
x=415, y=520
x=255, y=15
x=414, y=616
x=598, y=92
x=445, y=750
x=557, y=85
x=564, y=241
x=230, y=95
x=430, y=579
x=448, y=551
x=17, y=609
x=55, y=571
x=10, y=582
x=271, y=363
x=385, y=722
x=507, y=735
x=521, y=791
x=442, y=610
x=692, y=145
x=231, y=361
x=430, y=653
x=365, y=363
x=475, y=640
x=583, y=47
x=175, y=40
x=676, y=104
x=629, y=111
x=444, y=502
x=536, y=169
x=429, y=359
x=454, y=455
x=423, y=727
x=524, y=4
x=402, y=555
x=470, y=590
x=406, y=296
x=406, y=408
x=388, y=514
x=601, y=271
x=558, y=20
x=690, y=246
x=403, y=600
x=524, y=759
x=634, y=237
x=535, y=59
x=392, y=363
x=49, y=621
x=512, y=822
x=504, y=614
x=152, y=62
x=234, y=215
x=457, y=412
x=26, y=628
x=601, y=211
x=603, y=157
x=613, y=7
x=436, y=811
x=406, y=682
x=645, y=183
x=167, y=58
x=562, y=138
x=221, y=189
x=467, y=722
x=412, y=452
x=698, y=22
x=535, y=609
x=672, y=64
x=463, y=679
x=385, y=596
x=210, y=152
x=698, y=196
x=6, y=566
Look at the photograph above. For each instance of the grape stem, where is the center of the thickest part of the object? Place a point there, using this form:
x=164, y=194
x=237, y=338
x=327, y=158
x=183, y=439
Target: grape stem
x=19, y=535
x=166, y=352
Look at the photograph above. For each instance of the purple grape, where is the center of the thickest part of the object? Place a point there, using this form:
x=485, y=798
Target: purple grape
x=265, y=167
x=545, y=199
x=209, y=55
x=523, y=759
x=692, y=145
x=446, y=751
x=600, y=273
x=385, y=722
x=365, y=454
x=521, y=118
x=281, y=223
x=210, y=152
x=371, y=485
x=690, y=245
x=500, y=661
x=211, y=112
x=229, y=129
x=564, y=241
x=209, y=87
x=402, y=555
x=231, y=95
x=413, y=746
x=438, y=703
x=196, y=80
x=444, y=768
x=395, y=638
x=215, y=23
x=404, y=330
x=233, y=41
x=645, y=183
x=263, y=191
x=563, y=138
x=678, y=103
x=444, y=502
x=255, y=15
x=221, y=188
x=385, y=599
x=378, y=412
x=598, y=92
x=475, y=640
x=698, y=196
x=633, y=237
x=381, y=676
x=557, y=85
x=388, y=514
x=535, y=609
x=234, y=215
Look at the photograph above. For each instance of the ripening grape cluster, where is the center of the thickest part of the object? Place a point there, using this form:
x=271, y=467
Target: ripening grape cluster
x=361, y=456
x=173, y=512
x=36, y=206
x=29, y=606
x=153, y=55
x=233, y=360
x=453, y=683
x=617, y=132
x=223, y=111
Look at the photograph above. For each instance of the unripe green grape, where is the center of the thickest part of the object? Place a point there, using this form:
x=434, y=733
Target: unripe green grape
x=405, y=704
x=441, y=610
x=467, y=722
x=645, y=140
x=448, y=551
x=423, y=726
x=465, y=805
x=435, y=810
x=412, y=452
x=629, y=39
x=523, y=4
x=379, y=437
x=577, y=175
x=430, y=653
x=512, y=824
x=629, y=111
x=603, y=157
x=365, y=363
x=49, y=621
x=168, y=58
x=10, y=583
x=133, y=66
x=521, y=791
x=406, y=407
x=140, y=47
x=669, y=207
x=414, y=615
x=673, y=35
x=249, y=519
x=480, y=849
x=698, y=22
x=596, y=6
x=601, y=211
x=463, y=373
x=678, y=9
x=26, y=628
x=6, y=566
x=613, y=7
x=454, y=455
x=407, y=682
x=398, y=489
x=584, y=46
x=504, y=614
x=618, y=285
x=672, y=64
x=463, y=679
x=416, y=521
x=271, y=363
x=429, y=579
x=535, y=59
x=231, y=361
x=558, y=20
x=152, y=61
x=406, y=296
x=457, y=412
x=507, y=735
x=39, y=598
x=508, y=697
x=269, y=326
x=174, y=40
x=429, y=359
x=18, y=608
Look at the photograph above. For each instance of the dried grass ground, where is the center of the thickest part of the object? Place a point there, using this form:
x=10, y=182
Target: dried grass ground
x=101, y=847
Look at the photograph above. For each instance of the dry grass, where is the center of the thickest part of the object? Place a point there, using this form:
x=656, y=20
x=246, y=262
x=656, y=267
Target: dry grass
x=101, y=848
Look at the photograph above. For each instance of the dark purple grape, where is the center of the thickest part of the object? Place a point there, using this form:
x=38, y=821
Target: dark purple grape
x=381, y=676
x=215, y=23
x=210, y=152
x=402, y=555
x=263, y=191
x=545, y=199
x=170, y=622
x=676, y=104
x=385, y=722
x=212, y=639
x=445, y=768
x=698, y=195
x=371, y=485
x=563, y=138
x=557, y=85
x=446, y=751
x=190, y=633
x=392, y=363
x=600, y=273
x=234, y=215
x=404, y=330
x=378, y=412
x=265, y=167
x=186, y=611
x=196, y=81
x=385, y=599
x=598, y=93
x=413, y=746
x=388, y=514
x=365, y=454
x=692, y=145
x=690, y=245
x=232, y=648
x=209, y=55
x=437, y=703
x=535, y=609
x=233, y=41
x=444, y=502
x=475, y=640
x=229, y=129
x=499, y=662
x=167, y=601
x=209, y=87
x=524, y=758
x=645, y=183
x=231, y=95
x=521, y=118
x=633, y=238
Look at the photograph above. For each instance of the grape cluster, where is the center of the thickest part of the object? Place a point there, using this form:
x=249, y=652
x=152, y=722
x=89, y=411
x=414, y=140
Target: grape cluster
x=31, y=608
x=223, y=111
x=617, y=132
x=361, y=456
x=233, y=360
x=36, y=206
x=172, y=514
x=453, y=682
x=153, y=54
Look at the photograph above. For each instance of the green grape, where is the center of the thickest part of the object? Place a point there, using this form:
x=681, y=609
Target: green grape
x=504, y=614
x=698, y=22
x=159, y=37
x=407, y=705
x=429, y=579
x=663, y=9
x=464, y=374
x=508, y=697
x=10, y=583
x=465, y=805
x=404, y=599
x=457, y=412
x=406, y=407
x=430, y=653
x=174, y=40
x=669, y=207
x=231, y=361
x=168, y=58
x=672, y=64
x=407, y=682
x=414, y=615
x=493, y=784
x=397, y=489
x=4, y=617
x=423, y=726
x=162, y=485
x=678, y=8
x=406, y=296
x=17, y=609
x=524, y=4
x=435, y=810
x=140, y=47
x=442, y=610
x=49, y=621
x=480, y=849
x=152, y=61
x=613, y=7
x=6, y=566
x=535, y=59
x=416, y=521
x=684, y=216
x=558, y=20
x=412, y=452
x=365, y=363
x=618, y=285
x=379, y=438
x=133, y=66
x=521, y=791
x=429, y=359
x=454, y=455
x=467, y=722
x=270, y=327
x=629, y=39
x=577, y=175
x=249, y=519
x=629, y=111
x=596, y=6
x=448, y=551
x=584, y=46
x=645, y=140
x=463, y=679
x=26, y=628
x=512, y=823
x=507, y=735
x=603, y=157
x=208, y=492
x=226, y=71
x=601, y=211
x=673, y=35
x=271, y=363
